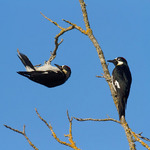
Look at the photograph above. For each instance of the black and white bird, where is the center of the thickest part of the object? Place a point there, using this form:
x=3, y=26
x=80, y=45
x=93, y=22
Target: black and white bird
x=47, y=75
x=121, y=80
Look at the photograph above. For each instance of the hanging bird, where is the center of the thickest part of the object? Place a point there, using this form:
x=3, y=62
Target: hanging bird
x=121, y=80
x=47, y=75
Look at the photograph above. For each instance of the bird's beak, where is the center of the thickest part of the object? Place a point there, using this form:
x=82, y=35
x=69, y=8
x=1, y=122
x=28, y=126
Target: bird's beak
x=112, y=61
x=60, y=67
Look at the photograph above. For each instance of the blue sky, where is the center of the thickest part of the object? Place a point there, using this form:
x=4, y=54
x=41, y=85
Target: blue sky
x=122, y=28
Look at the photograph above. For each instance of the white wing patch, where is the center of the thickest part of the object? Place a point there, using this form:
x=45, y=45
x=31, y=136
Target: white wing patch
x=117, y=84
x=113, y=83
x=45, y=72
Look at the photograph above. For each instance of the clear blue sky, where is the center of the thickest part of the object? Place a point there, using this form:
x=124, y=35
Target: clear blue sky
x=122, y=28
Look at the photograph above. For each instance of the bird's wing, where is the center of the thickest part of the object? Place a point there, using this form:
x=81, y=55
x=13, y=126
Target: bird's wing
x=47, y=78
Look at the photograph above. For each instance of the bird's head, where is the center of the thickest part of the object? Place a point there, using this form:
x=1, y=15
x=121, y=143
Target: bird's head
x=65, y=69
x=118, y=61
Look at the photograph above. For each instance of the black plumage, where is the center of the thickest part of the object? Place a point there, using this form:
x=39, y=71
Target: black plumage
x=121, y=80
x=47, y=75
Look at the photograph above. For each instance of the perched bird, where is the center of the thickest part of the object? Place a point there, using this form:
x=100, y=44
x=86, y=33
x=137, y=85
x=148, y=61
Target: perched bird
x=47, y=75
x=121, y=80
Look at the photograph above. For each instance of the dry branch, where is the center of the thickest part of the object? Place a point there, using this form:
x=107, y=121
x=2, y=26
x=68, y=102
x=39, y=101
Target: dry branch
x=24, y=134
x=106, y=75
x=106, y=72
x=91, y=119
x=142, y=137
x=77, y=27
x=70, y=137
x=63, y=30
x=136, y=136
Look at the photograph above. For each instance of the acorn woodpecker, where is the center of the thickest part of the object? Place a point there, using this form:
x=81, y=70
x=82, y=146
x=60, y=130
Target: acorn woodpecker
x=47, y=75
x=121, y=80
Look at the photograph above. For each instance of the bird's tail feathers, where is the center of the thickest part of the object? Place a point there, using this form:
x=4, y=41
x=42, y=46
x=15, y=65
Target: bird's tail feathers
x=24, y=73
x=121, y=107
x=25, y=60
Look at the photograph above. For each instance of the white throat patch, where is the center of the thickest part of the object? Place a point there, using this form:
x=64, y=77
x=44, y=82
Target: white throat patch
x=120, y=63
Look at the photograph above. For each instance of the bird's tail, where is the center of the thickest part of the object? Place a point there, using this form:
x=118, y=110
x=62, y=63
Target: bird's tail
x=25, y=60
x=122, y=107
x=24, y=73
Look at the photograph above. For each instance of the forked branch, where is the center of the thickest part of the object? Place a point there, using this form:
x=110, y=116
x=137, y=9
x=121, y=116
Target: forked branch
x=63, y=30
x=137, y=138
x=142, y=137
x=70, y=137
x=24, y=134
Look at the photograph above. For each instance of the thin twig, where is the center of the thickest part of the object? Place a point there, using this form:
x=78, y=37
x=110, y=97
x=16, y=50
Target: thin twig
x=42, y=118
x=63, y=30
x=106, y=78
x=91, y=119
x=142, y=137
x=55, y=23
x=70, y=120
x=100, y=76
x=77, y=27
x=24, y=134
x=139, y=140
x=70, y=137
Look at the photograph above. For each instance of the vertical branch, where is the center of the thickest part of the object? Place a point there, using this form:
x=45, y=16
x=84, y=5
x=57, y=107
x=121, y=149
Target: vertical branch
x=98, y=49
x=128, y=135
x=106, y=71
x=85, y=16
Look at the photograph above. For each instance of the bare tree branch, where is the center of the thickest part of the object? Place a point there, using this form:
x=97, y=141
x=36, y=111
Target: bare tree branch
x=142, y=137
x=106, y=71
x=55, y=23
x=70, y=137
x=24, y=134
x=63, y=30
x=77, y=27
x=91, y=119
x=139, y=140
x=98, y=48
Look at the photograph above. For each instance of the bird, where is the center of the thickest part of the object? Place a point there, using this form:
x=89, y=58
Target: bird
x=47, y=75
x=121, y=81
